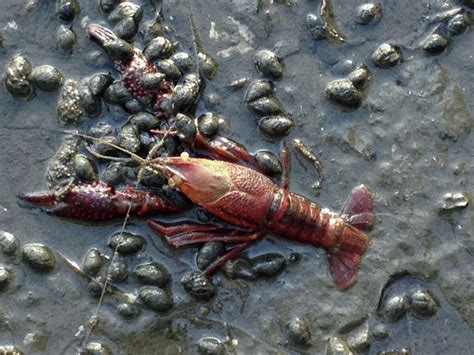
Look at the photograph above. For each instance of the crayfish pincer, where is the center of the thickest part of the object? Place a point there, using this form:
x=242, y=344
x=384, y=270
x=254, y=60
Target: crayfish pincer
x=242, y=197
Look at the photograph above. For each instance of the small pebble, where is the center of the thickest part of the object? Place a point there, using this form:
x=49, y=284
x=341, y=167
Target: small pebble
x=337, y=346
x=268, y=163
x=369, y=13
x=66, y=39
x=169, y=68
x=151, y=179
x=91, y=104
x=208, y=253
x=5, y=276
x=129, y=138
x=386, y=56
x=155, y=298
x=198, y=285
x=258, y=89
x=359, y=340
x=152, y=274
x=133, y=106
x=423, y=304
x=187, y=93
x=208, y=124
x=70, y=111
x=183, y=61
x=359, y=77
x=47, y=78
x=207, y=65
x=238, y=84
x=84, y=168
x=269, y=64
x=9, y=243
x=153, y=80
x=435, y=43
x=212, y=100
x=117, y=94
x=126, y=29
x=94, y=348
x=113, y=174
x=210, y=346
x=317, y=27
x=92, y=262
x=186, y=128
x=39, y=257
x=95, y=286
x=344, y=93
x=126, y=243
x=276, y=126
x=102, y=146
x=108, y=5
x=458, y=24
x=10, y=350
x=394, y=308
x=268, y=265
x=117, y=272
x=98, y=83
x=66, y=10
x=125, y=10
x=381, y=331
x=159, y=48
x=299, y=332
x=17, y=75
x=454, y=200
x=119, y=50
x=239, y=269
x=266, y=106
x=127, y=310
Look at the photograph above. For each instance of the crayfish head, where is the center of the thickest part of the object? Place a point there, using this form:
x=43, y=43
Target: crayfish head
x=203, y=181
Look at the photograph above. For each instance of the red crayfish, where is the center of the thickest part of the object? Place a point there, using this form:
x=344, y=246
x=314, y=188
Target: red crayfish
x=236, y=194
x=251, y=204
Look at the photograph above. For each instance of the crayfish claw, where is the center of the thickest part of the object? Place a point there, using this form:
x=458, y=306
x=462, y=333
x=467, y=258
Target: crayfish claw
x=39, y=199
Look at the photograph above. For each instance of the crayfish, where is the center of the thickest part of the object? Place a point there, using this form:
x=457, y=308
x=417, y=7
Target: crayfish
x=242, y=197
x=250, y=204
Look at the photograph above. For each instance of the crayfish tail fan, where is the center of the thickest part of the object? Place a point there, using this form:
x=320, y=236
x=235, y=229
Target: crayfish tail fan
x=344, y=266
x=358, y=208
x=344, y=259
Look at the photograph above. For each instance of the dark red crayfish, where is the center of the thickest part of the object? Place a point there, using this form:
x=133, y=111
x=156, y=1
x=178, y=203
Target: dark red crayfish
x=238, y=195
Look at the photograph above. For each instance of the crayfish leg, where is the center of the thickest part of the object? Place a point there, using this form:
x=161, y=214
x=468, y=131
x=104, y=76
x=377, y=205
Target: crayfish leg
x=194, y=233
x=232, y=253
x=219, y=262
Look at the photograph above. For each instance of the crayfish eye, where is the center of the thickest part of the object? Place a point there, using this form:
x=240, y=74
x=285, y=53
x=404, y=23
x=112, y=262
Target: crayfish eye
x=184, y=156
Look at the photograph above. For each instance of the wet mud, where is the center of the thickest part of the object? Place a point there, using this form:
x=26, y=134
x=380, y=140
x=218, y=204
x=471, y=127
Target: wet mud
x=409, y=139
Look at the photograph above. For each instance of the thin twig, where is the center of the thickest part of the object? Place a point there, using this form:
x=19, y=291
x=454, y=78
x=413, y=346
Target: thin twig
x=94, y=319
x=97, y=155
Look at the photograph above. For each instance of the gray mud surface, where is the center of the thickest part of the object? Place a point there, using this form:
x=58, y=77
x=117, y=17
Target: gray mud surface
x=410, y=142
